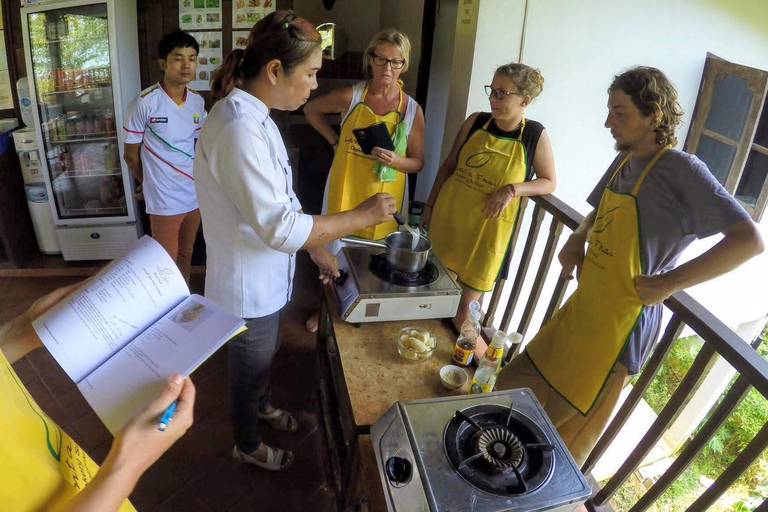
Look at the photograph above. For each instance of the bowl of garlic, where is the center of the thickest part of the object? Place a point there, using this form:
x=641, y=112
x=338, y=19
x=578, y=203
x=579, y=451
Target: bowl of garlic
x=415, y=344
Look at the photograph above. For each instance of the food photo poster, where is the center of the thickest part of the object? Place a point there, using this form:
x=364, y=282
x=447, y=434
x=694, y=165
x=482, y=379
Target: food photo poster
x=199, y=14
x=246, y=13
x=208, y=59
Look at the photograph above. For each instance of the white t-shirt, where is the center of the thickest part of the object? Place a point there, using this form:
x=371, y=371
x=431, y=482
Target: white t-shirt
x=250, y=212
x=167, y=132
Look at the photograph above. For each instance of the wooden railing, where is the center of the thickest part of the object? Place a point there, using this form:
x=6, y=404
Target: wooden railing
x=718, y=338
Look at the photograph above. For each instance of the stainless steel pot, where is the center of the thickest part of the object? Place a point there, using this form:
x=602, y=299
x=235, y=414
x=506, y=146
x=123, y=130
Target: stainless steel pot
x=399, y=254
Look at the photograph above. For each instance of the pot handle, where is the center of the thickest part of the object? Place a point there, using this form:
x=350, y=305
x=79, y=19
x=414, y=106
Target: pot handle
x=360, y=241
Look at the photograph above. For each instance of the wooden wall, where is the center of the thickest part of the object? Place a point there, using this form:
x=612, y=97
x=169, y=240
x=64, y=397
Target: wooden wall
x=14, y=42
x=158, y=17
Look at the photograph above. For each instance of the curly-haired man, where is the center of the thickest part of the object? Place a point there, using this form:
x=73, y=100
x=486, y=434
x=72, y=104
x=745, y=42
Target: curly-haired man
x=652, y=202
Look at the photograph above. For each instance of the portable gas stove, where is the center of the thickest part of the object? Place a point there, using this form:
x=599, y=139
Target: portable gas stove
x=369, y=291
x=485, y=453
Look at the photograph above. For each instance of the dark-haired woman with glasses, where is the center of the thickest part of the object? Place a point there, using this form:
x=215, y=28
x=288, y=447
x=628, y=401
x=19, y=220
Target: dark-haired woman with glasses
x=470, y=213
x=380, y=99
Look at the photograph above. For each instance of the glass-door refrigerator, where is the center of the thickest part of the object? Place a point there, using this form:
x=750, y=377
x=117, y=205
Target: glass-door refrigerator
x=83, y=61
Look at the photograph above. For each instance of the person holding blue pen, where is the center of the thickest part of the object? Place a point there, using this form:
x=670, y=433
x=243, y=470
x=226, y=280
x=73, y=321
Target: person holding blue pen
x=167, y=416
x=43, y=468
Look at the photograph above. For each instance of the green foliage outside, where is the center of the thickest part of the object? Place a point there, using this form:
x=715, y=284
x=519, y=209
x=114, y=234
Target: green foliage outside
x=738, y=430
x=83, y=44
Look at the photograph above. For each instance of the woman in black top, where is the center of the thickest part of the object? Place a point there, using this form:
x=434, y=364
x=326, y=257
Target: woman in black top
x=497, y=158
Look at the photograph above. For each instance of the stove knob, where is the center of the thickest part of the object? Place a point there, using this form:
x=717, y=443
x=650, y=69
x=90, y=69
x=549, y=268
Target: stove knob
x=398, y=470
x=343, y=275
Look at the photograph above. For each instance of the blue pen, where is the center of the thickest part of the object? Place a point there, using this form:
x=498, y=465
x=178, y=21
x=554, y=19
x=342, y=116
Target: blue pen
x=165, y=419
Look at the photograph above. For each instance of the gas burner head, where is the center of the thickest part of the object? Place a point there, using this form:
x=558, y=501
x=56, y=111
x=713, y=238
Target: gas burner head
x=381, y=269
x=500, y=448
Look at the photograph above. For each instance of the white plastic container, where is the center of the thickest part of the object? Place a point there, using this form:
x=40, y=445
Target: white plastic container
x=42, y=220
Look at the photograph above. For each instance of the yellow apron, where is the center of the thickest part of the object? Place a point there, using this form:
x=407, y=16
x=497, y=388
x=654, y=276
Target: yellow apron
x=352, y=179
x=41, y=468
x=462, y=237
x=578, y=347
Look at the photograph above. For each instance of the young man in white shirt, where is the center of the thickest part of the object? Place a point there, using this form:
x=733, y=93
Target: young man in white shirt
x=161, y=127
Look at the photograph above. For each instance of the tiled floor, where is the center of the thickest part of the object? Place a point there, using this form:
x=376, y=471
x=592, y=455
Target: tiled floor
x=198, y=473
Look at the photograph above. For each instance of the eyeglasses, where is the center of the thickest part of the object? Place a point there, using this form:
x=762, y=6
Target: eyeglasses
x=500, y=94
x=382, y=61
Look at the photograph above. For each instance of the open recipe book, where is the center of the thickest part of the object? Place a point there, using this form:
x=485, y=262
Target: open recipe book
x=122, y=334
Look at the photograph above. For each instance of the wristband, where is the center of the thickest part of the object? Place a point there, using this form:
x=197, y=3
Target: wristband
x=514, y=192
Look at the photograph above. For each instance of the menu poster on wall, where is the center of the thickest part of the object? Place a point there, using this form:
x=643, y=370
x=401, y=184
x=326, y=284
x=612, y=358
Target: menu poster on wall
x=240, y=38
x=6, y=95
x=199, y=14
x=246, y=13
x=208, y=59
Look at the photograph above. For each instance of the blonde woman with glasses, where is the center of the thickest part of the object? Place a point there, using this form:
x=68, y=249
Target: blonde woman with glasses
x=378, y=100
x=498, y=157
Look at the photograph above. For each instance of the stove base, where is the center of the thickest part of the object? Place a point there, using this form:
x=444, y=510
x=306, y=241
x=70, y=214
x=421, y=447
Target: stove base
x=384, y=309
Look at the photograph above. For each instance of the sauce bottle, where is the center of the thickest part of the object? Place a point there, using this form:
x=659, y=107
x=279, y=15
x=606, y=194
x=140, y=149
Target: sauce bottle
x=470, y=330
x=489, y=366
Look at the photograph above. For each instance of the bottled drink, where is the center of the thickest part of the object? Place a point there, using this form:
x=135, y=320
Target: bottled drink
x=109, y=123
x=61, y=128
x=66, y=159
x=470, y=330
x=489, y=366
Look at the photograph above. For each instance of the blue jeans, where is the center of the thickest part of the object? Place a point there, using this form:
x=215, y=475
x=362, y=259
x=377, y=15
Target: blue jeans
x=250, y=356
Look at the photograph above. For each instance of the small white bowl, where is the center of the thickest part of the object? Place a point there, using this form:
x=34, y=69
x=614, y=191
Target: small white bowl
x=452, y=383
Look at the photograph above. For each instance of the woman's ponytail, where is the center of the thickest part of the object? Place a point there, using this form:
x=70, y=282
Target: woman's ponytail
x=280, y=35
x=227, y=76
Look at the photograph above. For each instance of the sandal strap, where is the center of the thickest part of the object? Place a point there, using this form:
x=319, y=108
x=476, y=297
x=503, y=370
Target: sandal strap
x=274, y=458
x=272, y=415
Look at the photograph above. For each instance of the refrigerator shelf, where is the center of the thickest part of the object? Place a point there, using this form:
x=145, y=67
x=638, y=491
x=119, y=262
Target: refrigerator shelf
x=101, y=209
x=92, y=139
x=88, y=174
x=96, y=87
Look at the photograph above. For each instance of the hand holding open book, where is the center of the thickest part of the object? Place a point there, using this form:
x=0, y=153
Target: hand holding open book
x=129, y=328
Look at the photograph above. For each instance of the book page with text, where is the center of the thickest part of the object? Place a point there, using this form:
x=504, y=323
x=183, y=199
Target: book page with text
x=119, y=303
x=177, y=343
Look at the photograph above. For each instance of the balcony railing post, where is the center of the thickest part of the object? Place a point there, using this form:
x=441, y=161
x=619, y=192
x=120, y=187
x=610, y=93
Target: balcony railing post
x=555, y=230
x=734, y=397
x=732, y=472
x=525, y=262
x=499, y=288
x=669, y=413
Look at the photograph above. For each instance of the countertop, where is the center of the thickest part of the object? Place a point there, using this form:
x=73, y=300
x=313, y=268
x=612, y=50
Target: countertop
x=375, y=374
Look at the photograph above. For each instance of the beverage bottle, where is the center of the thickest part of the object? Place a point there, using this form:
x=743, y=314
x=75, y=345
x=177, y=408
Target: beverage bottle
x=66, y=159
x=489, y=366
x=109, y=123
x=61, y=127
x=470, y=330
